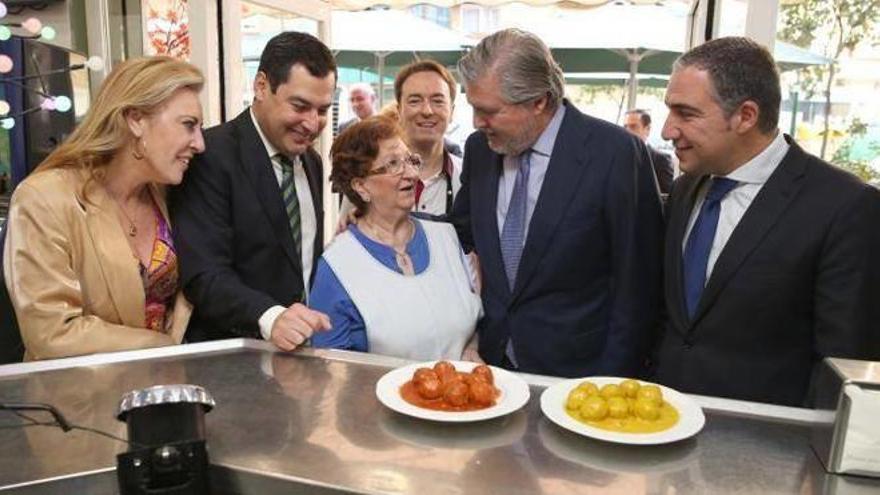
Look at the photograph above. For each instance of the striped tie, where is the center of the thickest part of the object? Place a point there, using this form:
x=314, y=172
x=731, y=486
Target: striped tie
x=291, y=203
x=514, y=229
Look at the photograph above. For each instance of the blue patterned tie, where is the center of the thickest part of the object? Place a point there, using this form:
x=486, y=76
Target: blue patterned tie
x=514, y=229
x=699, y=244
x=291, y=202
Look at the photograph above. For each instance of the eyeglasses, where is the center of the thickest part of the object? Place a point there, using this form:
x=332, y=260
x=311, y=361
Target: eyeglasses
x=396, y=166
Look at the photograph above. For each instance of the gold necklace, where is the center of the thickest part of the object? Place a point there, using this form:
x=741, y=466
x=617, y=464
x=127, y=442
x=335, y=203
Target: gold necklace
x=400, y=255
x=132, y=227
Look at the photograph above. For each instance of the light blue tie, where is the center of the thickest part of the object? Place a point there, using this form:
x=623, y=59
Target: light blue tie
x=513, y=233
x=514, y=229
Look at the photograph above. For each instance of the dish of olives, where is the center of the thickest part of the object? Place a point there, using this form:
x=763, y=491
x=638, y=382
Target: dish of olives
x=622, y=410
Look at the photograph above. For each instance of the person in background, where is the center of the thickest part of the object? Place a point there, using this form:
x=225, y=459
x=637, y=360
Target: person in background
x=638, y=122
x=363, y=103
x=425, y=94
x=772, y=255
x=425, y=98
x=563, y=211
x=392, y=284
x=250, y=212
x=89, y=261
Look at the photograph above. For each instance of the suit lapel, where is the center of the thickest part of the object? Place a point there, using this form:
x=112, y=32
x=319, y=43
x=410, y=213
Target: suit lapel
x=678, y=228
x=119, y=267
x=484, y=198
x=761, y=215
x=567, y=164
x=258, y=168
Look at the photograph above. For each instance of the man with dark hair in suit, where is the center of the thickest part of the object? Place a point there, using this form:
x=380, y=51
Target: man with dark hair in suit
x=563, y=211
x=772, y=255
x=638, y=122
x=248, y=217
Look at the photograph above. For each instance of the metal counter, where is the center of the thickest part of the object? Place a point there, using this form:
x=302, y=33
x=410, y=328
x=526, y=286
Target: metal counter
x=309, y=422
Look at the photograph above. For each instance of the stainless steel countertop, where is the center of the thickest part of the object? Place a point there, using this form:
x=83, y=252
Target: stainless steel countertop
x=311, y=419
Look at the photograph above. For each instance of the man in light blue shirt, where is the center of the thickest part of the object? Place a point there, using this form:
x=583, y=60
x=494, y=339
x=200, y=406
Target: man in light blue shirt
x=564, y=213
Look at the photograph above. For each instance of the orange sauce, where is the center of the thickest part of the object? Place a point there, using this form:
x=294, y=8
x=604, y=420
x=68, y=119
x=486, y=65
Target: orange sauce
x=409, y=394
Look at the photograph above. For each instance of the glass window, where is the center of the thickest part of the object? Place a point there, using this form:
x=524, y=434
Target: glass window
x=167, y=24
x=733, y=18
x=470, y=18
x=258, y=25
x=832, y=109
x=433, y=13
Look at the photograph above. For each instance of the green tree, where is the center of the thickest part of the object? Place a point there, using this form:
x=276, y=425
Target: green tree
x=837, y=26
x=844, y=159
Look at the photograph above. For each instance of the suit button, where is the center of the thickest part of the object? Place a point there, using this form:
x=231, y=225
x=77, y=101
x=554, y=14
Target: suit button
x=688, y=345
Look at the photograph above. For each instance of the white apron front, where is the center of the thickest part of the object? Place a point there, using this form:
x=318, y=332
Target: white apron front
x=423, y=317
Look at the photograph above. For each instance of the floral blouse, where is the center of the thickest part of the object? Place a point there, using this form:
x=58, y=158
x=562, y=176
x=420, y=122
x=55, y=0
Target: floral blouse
x=160, y=278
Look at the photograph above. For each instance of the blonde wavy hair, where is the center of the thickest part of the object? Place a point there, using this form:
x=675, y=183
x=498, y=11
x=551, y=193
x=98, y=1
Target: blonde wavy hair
x=142, y=84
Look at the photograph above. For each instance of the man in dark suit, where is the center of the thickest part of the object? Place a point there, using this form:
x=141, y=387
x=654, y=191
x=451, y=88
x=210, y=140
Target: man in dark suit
x=638, y=122
x=248, y=217
x=563, y=212
x=772, y=256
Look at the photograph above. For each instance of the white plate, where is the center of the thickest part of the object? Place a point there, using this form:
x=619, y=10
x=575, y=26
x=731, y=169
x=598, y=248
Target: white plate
x=615, y=457
x=514, y=394
x=690, y=416
x=478, y=435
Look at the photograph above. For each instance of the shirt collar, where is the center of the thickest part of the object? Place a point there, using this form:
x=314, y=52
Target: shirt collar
x=447, y=164
x=445, y=170
x=272, y=151
x=544, y=145
x=759, y=169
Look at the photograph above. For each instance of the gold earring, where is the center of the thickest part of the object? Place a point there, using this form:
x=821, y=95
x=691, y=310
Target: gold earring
x=139, y=155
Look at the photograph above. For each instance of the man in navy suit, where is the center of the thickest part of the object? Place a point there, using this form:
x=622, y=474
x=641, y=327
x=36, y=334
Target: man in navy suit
x=248, y=216
x=638, y=122
x=563, y=212
x=772, y=256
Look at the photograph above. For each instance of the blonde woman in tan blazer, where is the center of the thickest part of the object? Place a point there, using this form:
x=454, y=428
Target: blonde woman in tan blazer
x=89, y=261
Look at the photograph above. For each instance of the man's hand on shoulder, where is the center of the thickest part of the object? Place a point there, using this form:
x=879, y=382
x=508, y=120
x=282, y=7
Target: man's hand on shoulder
x=296, y=325
x=345, y=219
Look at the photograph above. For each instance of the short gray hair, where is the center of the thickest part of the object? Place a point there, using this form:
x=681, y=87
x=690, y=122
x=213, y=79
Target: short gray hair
x=365, y=87
x=740, y=69
x=523, y=64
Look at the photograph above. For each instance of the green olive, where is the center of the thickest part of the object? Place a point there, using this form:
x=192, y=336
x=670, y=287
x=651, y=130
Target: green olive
x=610, y=390
x=650, y=393
x=618, y=408
x=589, y=387
x=647, y=410
x=594, y=408
x=630, y=388
x=575, y=398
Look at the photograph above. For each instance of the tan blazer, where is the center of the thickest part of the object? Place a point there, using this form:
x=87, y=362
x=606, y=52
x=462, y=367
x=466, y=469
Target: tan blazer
x=72, y=277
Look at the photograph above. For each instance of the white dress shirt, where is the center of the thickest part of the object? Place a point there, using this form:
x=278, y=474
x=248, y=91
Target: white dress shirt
x=432, y=200
x=308, y=223
x=540, y=160
x=751, y=177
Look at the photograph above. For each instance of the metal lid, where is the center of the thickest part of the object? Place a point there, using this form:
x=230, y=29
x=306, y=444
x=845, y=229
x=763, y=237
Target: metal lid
x=164, y=394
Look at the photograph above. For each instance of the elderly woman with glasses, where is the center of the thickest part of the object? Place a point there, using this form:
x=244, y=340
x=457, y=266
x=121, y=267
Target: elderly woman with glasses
x=392, y=284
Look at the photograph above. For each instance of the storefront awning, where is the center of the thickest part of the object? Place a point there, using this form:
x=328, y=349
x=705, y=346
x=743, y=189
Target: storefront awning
x=402, y=4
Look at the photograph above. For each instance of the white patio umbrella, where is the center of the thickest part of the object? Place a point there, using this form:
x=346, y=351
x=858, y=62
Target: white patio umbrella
x=379, y=39
x=631, y=39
